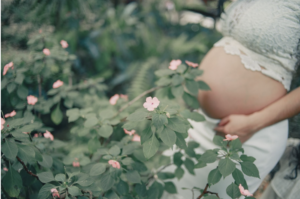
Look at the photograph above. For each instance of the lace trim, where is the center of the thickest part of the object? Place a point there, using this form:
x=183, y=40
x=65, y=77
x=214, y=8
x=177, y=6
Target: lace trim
x=249, y=63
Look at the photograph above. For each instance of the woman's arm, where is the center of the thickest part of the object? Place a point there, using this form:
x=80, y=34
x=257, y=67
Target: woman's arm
x=246, y=125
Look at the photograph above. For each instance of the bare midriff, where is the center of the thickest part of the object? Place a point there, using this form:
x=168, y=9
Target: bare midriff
x=234, y=89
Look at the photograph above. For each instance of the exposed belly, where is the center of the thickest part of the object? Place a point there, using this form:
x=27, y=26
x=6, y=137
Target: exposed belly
x=234, y=89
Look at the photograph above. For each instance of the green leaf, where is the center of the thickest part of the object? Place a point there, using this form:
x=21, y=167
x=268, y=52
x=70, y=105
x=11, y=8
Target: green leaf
x=214, y=176
x=180, y=142
x=164, y=72
x=105, y=130
x=155, y=191
x=233, y=191
x=177, y=125
x=250, y=169
x=90, y=122
x=138, y=115
x=168, y=137
x=177, y=159
x=111, y=195
x=47, y=161
x=211, y=197
x=146, y=135
x=189, y=165
x=150, y=147
x=11, y=87
x=226, y=167
x=218, y=140
x=45, y=177
x=106, y=182
x=235, y=144
x=177, y=80
x=165, y=175
x=26, y=153
x=170, y=187
x=74, y=191
x=209, y=156
x=68, y=103
x=60, y=177
x=97, y=169
x=12, y=182
x=130, y=148
x=193, y=115
x=57, y=115
x=84, y=180
x=177, y=91
x=190, y=100
x=93, y=145
x=203, y=86
x=192, y=87
x=200, y=164
x=114, y=151
x=122, y=187
x=238, y=176
x=22, y=92
x=179, y=173
x=164, y=81
x=140, y=189
x=133, y=176
x=158, y=120
x=45, y=191
x=246, y=158
x=181, y=68
x=73, y=114
x=10, y=149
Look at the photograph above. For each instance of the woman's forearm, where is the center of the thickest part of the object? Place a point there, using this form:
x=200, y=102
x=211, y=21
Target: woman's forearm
x=284, y=108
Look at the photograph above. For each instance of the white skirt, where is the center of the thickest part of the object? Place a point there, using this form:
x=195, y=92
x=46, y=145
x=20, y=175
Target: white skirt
x=266, y=145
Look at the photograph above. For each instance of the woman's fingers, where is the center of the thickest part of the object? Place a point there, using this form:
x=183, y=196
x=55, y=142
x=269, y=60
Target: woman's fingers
x=224, y=121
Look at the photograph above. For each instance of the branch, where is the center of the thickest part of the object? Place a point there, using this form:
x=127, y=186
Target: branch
x=136, y=99
x=26, y=169
x=88, y=191
x=205, y=192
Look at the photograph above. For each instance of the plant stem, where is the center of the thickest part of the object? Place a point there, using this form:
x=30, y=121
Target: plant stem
x=26, y=169
x=205, y=192
x=88, y=191
x=136, y=99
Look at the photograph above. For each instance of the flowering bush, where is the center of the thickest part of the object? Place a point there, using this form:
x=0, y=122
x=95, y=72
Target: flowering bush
x=116, y=146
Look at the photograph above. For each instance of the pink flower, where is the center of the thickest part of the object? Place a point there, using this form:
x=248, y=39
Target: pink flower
x=2, y=123
x=40, y=30
x=13, y=113
x=125, y=97
x=46, y=51
x=54, y=192
x=48, y=135
x=230, y=137
x=129, y=132
x=244, y=192
x=64, y=44
x=114, y=164
x=26, y=133
x=57, y=84
x=31, y=99
x=151, y=104
x=113, y=100
x=174, y=64
x=136, y=138
x=76, y=164
x=194, y=65
x=5, y=169
x=36, y=135
x=7, y=66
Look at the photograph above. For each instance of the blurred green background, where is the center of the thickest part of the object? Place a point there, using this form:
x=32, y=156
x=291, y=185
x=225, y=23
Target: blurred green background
x=122, y=41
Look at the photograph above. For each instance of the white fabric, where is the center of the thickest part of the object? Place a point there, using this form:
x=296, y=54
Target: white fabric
x=267, y=146
x=268, y=34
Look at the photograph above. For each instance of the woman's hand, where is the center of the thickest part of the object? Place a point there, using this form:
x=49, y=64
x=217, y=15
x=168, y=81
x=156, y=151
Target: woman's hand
x=243, y=126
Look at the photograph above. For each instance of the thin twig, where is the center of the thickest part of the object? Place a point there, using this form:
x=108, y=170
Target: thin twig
x=26, y=169
x=205, y=192
x=136, y=99
x=213, y=193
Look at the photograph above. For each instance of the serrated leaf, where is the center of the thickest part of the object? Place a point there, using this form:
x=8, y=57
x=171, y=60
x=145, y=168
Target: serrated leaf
x=138, y=115
x=214, y=176
x=45, y=177
x=10, y=149
x=105, y=130
x=74, y=191
x=218, y=140
x=133, y=176
x=168, y=137
x=238, y=176
x=203, y=86
x=170, y=187
x=146, y=135
x=226, y=167
x=97, y=169
x=176, y=125
x=246, y=158
x=47, y=161
x=57, y=115
x=106, y=182
x=192, y=87
x=209, y=156
x=235, y=144
x=158, y=120
x=233, y=191
x=26, y=153
x=150, y=147
x=250, y=169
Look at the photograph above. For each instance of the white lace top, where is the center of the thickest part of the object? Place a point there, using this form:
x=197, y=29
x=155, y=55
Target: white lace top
x=265, y=34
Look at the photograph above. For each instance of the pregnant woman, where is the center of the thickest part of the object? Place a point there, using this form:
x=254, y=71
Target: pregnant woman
x=249, y=72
